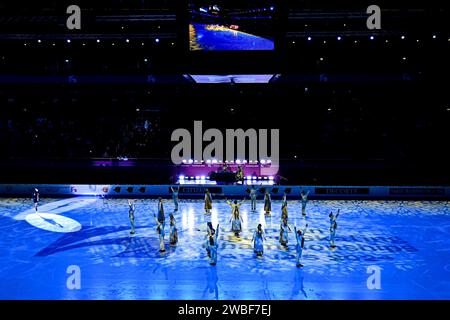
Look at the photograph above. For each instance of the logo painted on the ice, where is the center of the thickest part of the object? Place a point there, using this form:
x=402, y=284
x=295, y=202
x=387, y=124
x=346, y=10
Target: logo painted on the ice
x=256, y=140
x=374, y=280
x=74, y=280
x=53, y=222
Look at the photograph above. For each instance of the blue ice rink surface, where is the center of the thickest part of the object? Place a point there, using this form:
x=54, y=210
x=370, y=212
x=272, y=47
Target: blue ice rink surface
x=409, y=241
x=228, y=39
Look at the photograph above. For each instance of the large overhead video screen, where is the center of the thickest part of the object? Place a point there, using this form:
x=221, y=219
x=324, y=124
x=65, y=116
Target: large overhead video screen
x=231, y=25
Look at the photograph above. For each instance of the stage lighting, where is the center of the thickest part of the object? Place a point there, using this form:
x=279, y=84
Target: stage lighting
x=127, y=40
x=191, y=161
x=271, y=178
x=98, y=40
x=130, y=189
x=434, y=36
x=39, y=41
x=238, y=161
x=181, y=177
x=214, y=161
x=309, y=38
x=202, y=177
x=372, y=37
x=157, y=40
x=269, y=161
x=208, y=161
x=197, y=177
x=263, y=161
x=403, y=37
x=68, y=41
x=339, y=38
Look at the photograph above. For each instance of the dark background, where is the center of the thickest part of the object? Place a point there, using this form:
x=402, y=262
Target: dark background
x=365, y=112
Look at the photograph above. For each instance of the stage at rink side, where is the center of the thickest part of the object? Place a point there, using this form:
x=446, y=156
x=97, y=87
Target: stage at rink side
x=239, y=191
x=407, y=242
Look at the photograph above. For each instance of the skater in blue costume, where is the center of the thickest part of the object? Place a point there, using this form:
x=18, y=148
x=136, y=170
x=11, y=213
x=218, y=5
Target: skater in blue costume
x=258, y=241
x=175, y=192
x=131, y=209
x=173, y=234
x=161, y=215
x=160, y=231
x=209, y=231
x=284, y=200
x=300, y=236
x=213, y=238
x=284, y=229
x=333, y=227
x=36, y=198
x=253, y=196
x=304, y=201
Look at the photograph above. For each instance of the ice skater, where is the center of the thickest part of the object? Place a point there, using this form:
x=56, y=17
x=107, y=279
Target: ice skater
x=253, y=196
x=173, y=234
x=161, y=215
x=333, y=227
x=175, y=192
x=235, y=219
x=160, y=232
x=284, y=229
x=258, y=241
x=208, y=202
x=300, y=236
x=284, y=211
x=36, y=199
x=267, y=203
x=131, y=209
x=240, y=175
x=212, y=243
x=304, y=201
x=284, y=200
x=209, y=231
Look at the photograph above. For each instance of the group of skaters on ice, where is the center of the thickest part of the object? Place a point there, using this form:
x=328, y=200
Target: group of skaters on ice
x=236, y=226
x=258, y=239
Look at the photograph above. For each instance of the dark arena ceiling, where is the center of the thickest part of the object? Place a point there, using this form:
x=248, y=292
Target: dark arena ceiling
x=338, y=89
